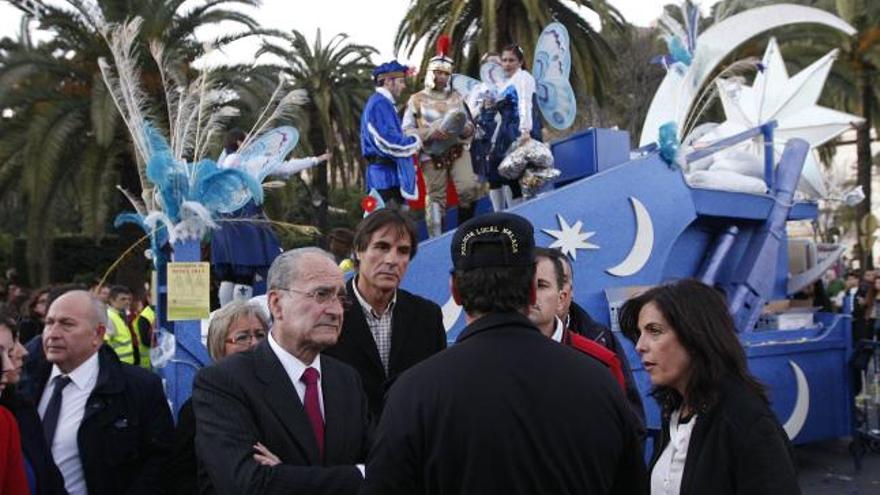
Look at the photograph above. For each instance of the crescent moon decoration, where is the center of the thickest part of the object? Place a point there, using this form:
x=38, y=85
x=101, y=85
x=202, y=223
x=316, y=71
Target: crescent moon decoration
x=643, y=245
x=451, y=312
x=801, y=404
x=675, y=97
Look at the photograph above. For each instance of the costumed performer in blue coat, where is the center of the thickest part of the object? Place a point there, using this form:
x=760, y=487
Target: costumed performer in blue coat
x=511, y=116
x=388, y=151
x=242, y=251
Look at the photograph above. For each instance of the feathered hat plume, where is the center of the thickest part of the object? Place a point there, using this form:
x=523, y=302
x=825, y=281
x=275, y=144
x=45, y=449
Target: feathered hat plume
x=441, y=61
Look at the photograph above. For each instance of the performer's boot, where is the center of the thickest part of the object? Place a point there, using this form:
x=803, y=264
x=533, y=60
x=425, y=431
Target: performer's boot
x=242, y=293
x=496, y=196
x=435, y=221
x=465, y=213
x=225, y=293
x=508, y=197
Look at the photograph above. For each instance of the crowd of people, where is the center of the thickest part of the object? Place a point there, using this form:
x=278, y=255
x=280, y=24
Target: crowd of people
x=339, y=381
x=347, y=386
x=856, y=291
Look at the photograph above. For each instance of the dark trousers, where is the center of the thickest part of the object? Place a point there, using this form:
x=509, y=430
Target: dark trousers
x=392, y=197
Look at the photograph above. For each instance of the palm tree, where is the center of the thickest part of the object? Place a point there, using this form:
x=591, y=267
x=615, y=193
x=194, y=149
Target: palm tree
x=60, y=128
x=337, y=76
x=480, y=26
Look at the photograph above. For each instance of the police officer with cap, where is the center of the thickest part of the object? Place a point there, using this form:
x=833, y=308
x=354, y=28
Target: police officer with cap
x=505, y=409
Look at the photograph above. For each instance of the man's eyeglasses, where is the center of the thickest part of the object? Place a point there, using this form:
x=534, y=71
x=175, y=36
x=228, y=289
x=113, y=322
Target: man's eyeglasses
x=245, y=338
x=324, y=295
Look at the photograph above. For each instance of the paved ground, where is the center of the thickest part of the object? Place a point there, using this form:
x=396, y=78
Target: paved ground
x=827, y=468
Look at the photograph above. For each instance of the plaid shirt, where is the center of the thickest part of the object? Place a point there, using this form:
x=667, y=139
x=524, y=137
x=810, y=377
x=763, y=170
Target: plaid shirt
x=380, y=325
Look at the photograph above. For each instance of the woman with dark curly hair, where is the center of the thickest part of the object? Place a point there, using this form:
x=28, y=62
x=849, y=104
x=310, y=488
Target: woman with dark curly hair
x=718, y=433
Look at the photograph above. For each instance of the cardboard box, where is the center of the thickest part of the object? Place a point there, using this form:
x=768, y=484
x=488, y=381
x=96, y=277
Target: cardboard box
x=792, y=319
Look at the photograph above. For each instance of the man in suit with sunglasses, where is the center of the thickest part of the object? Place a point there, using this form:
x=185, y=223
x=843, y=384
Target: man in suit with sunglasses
x=284, y=418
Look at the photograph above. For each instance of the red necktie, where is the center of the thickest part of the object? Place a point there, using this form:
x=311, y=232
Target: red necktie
x=313, y=408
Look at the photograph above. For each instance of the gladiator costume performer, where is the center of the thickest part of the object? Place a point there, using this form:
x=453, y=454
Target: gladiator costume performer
x=438, y=116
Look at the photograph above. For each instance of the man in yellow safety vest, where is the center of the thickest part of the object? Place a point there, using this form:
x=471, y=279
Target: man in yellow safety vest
x=121, y=337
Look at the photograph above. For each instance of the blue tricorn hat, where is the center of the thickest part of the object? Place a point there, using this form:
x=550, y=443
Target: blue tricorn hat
x=389, y=69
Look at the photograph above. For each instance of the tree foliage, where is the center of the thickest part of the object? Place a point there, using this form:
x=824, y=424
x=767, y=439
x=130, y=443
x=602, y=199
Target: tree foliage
x=337, y=76
x=59, y=128
x=481, y=26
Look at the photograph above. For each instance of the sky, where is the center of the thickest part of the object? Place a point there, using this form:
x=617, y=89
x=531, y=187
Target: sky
x=372, y=22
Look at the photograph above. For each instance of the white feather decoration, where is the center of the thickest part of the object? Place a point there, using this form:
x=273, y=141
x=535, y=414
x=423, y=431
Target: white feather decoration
x=123, y=82
x=155, y=218
x=195, y=221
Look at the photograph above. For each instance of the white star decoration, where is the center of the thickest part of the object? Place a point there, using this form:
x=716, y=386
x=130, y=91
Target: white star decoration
x=570, y=238
x=792, y=102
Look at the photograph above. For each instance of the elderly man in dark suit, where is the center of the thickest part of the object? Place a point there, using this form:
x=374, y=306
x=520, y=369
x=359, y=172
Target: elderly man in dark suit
x=504, y=410
x=387, y=329
x=108, y=423
x=284, y=418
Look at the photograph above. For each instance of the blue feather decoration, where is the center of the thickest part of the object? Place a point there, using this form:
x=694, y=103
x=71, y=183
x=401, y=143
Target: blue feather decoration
x=167, y=174
x=668, y=143
x=678, y=51
x=222, y=190
x=134, y=218
x=158, y=237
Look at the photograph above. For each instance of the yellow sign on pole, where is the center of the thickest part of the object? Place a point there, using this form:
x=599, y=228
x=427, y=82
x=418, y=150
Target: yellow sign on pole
x=188, y=290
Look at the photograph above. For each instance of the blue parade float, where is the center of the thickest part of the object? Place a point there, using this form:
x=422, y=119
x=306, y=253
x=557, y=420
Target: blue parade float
x=630, y=219
x=637, y=223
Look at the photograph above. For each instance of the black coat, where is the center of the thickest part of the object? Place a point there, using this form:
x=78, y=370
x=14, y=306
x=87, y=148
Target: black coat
x=247, y=398
x=506, y=410
x=182, y=478
x=125, y=435
x=737, y=447
x=416, y=333
x=580, y=322
x=33, y=443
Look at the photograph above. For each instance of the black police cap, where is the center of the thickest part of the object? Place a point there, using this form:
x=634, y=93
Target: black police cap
x=493, y=240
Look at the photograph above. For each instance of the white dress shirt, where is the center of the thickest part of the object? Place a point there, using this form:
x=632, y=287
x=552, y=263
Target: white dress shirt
x=557, y=333
x=295, y=368
x=667, y=474
x=65, y=449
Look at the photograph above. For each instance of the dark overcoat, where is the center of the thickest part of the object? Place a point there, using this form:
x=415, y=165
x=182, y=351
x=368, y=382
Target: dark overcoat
x=416, y=333
x=736, y=447
x=126, y=432
x=247, y=398
x=506, y=410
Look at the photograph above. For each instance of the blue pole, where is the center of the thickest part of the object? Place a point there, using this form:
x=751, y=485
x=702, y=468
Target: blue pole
x=189, y=353
x=751, y=285
x=769, y=153
x=722, y=246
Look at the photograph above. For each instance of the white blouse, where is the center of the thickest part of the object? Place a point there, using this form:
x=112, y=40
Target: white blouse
x=525, y=85
x=667, y=473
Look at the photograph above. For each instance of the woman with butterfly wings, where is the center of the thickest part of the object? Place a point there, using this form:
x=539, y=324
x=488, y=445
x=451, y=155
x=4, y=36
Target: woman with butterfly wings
x=506, y=101
x=244, y=246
